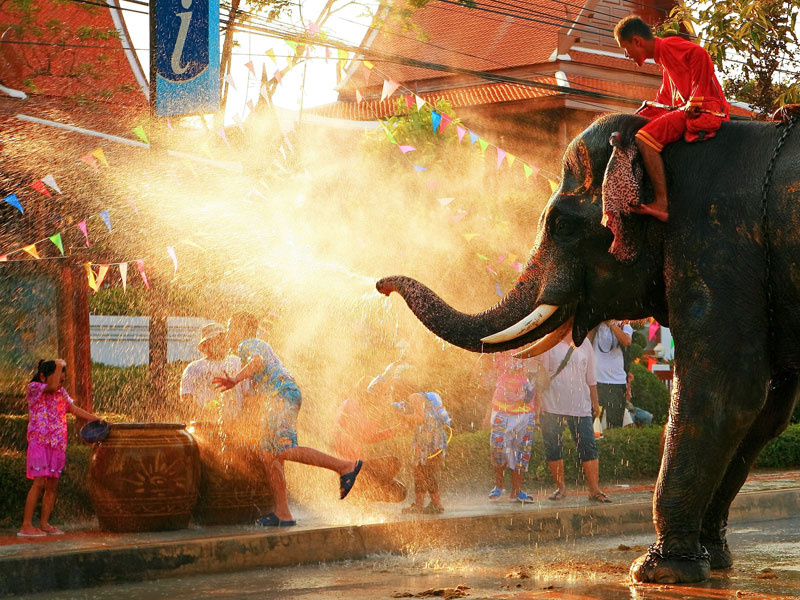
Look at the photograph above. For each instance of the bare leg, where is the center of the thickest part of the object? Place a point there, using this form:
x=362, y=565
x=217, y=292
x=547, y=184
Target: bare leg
x=654, y=165
x=30, y=505
x=592, y=470
x=516, y=482
x=557, y=471
x=48, y=502
x=499, y=476
x=277, y=482
x=315, y=458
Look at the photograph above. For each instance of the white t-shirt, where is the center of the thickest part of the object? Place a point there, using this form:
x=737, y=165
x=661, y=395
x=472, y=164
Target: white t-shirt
x=609, y=364
x=568, y=393
x=196, y=380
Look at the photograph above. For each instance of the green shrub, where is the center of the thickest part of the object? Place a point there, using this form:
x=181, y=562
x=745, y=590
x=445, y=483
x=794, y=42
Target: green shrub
x=782, y=452
x=126, y=390
x=649, y=393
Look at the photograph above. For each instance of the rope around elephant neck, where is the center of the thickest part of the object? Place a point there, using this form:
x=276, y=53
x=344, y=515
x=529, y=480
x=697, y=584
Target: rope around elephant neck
x=764, y=221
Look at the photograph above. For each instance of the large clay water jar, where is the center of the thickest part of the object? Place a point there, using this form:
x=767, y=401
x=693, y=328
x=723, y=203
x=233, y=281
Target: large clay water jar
x=233, y=480
x=144, y=477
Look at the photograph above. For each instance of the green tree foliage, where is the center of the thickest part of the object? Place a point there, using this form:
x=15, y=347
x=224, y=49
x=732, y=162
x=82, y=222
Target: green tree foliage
x=759, y=41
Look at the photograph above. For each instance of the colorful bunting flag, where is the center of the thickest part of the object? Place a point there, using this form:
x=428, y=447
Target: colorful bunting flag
x=312, y=27
x=40, y=187
x=420, y=169
x=82, y=227
x=229, y=80
x=277, y=75
x=470, y=236
x=482, y=256
x=250, y=67
x=264, y=92
x=51, y=182
x=500, y=258
x=327, y=54
x=90, y=160
x=14, y=201
x=140, y=266
x=461, y=131
x=101, y=274
x=173, y=256
x=518, y=266
x=250, y=105
x=106, y=219
x=139, y=132
x=359, y=97
x=446, y=120
x=491, y=270
x=169, y=124
x=483, y=144
x=368, y=64
x=553, y=185
x=445, y=201
x=221, y=133
x=132, y=204
x=510, y=158
x=498, y=289
x=420, y=102
x=271, y=54
x=4, y=258
x=56, y=239
x=436, y=119
x=501, y=154
x=405, y=149
x=473, y=137
x=530, y=170
x=409, y=100
x=238, y=120
x=31, y=250
x=389, y=88
x=100, y=155
x=652, y=330
x=90, y=277
x=460, y=214
x=123, y=273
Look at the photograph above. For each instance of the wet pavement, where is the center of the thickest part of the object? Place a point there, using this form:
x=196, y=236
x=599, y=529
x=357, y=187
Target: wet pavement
x=767, y=566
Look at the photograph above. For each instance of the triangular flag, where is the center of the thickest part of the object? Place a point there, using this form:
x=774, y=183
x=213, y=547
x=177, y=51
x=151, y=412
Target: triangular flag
x=4, y=258
x=436, y=119
x=420, y=169
x=171, y=252
x=518, y=266
x=368, y=64
x=100, y=155
x=500, y=258
x=312, y=27
x=123, y=273
x=271, y=54
x=553, y=185
x=491, y=270
x=446, y=120
x=420, y=102
x=445, y=201
x=132, y=204
x=139, y=131
x=461, y=131
x=90, y=160
x=51, y=182
x=470, y=236
x=221, y=133
x=140, y=266
x=82, y=227
x=512, y=258
x=510, y=158
x=405, y=149
x=459, y=215
x=652, y=330
x=482, y=256
x=40, y=187
x=483, y=144
x=527, y=169
x=13, y=201
x=389, y=88
x=169, y=123
x=229, y=80
x=31, y=250
x=292, y=45
x=56, y=239
x=498, y=289
x=264, y=92
x=501, y=154
x=359, y=97
x=409, y=100
x=473, y=137
x=250, y=105
x=106, y=218
x=90, y=276
x=238, y=120
x=101, y=274
x=327, y=54
x=343, y=55
x=250, y=67
x=277, y=76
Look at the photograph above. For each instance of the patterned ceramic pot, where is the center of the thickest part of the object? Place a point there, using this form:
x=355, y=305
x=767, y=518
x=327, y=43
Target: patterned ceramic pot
x=233, y=480
x=144, y=477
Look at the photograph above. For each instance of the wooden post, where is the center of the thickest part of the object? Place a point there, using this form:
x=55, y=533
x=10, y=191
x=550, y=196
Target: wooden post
x=82, y=343
x=158, y=342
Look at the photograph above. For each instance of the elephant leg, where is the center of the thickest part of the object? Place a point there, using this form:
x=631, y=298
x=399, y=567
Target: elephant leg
x=714, y=405
x=771, y=422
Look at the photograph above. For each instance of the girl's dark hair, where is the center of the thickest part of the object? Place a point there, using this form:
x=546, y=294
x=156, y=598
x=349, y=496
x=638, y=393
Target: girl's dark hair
x=45, y=367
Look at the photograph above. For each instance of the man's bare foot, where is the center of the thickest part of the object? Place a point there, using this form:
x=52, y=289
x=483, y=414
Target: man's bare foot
x=654, y=210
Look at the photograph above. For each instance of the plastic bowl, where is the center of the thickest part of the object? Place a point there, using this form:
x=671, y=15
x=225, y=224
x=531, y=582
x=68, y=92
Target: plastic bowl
x=95, y=431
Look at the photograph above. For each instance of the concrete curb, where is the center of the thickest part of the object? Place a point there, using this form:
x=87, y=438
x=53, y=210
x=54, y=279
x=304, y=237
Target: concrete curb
x=230, y=553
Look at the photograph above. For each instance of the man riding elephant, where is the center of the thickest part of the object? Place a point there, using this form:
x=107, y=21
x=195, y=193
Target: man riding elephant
x=722, y=273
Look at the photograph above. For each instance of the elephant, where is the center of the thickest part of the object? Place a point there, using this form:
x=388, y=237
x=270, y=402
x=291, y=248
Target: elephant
x=723, y=273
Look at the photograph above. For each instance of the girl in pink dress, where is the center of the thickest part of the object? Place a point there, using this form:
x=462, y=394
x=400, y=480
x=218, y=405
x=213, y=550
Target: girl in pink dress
x=48, y=403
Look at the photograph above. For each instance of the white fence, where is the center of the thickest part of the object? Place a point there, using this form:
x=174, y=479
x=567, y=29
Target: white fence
x=124, y=341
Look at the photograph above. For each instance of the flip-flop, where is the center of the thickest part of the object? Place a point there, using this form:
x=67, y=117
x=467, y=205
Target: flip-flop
x=53, y=531
x=24, y=535
x=272, y=520
x=347, y=480
x=600, y=498
x=556, y=496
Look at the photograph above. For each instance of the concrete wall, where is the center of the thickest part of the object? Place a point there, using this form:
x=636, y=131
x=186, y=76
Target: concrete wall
x=124, y=341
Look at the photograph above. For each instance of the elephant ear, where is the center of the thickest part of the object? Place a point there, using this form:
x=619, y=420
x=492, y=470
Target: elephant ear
x=623, y=184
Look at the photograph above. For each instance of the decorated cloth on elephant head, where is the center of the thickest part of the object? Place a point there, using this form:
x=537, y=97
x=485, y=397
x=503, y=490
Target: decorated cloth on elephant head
x=622, y=190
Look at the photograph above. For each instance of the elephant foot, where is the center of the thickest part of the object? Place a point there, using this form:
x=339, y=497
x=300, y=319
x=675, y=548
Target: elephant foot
x=719, y=555
x=659, y=566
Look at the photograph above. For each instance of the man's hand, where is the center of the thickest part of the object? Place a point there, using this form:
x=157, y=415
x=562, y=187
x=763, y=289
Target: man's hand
x=223, y=384
x=692, y=111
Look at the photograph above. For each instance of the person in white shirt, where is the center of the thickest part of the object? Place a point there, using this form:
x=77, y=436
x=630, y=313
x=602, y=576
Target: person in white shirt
x=201, y=399
x=609, y=339
x=569, y=397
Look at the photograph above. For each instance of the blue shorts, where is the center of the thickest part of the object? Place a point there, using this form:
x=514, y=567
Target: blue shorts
x=553, y=431
x=279, y=425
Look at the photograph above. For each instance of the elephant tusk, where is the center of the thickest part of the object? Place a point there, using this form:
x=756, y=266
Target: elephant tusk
x=543, y=345
x=540, y=314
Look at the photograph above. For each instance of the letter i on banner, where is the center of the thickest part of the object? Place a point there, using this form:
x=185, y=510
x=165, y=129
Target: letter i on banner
x=123, y=273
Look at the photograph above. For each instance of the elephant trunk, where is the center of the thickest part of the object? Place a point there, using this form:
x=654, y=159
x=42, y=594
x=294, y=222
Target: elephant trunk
x=467, y=331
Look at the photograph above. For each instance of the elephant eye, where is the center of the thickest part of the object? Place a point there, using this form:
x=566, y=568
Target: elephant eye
x=565, y=227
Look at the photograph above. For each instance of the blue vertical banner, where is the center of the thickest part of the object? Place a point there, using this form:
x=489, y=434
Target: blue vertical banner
x=184, y=57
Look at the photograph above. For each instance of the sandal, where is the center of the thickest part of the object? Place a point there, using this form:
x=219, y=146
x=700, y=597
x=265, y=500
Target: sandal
x=347, y=480
x=495, y=493
x=523, y=497
x=34, y=533
x=50, y=530
x=272, y=520
x=432, y=509
x=557, y=495
x=600, y=498
x=413, y=509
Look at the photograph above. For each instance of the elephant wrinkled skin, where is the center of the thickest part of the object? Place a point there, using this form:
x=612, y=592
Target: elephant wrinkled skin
x=706, y=274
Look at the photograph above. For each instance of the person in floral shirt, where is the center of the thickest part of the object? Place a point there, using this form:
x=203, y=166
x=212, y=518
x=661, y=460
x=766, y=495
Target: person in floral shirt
x=48, y=405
